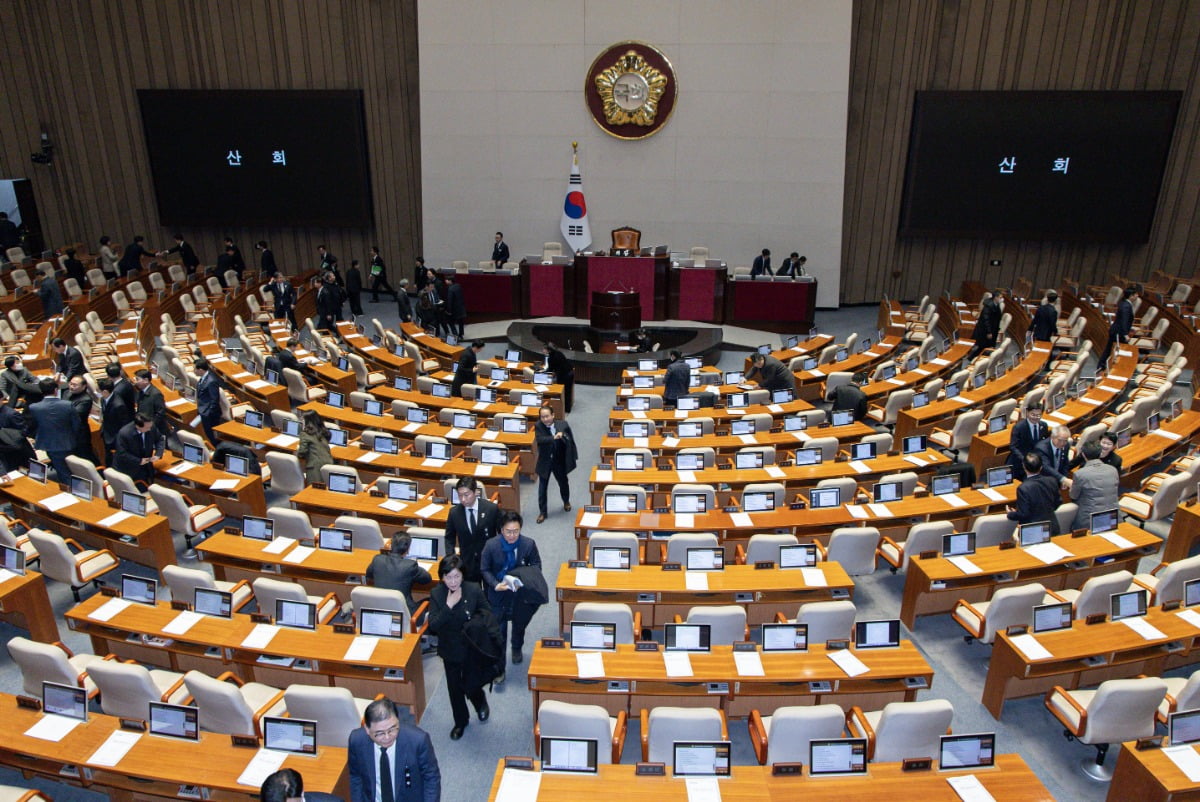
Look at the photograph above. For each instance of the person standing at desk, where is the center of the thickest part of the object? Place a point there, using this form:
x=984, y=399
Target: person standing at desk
x=137, y=446
x=677, y=380
x=452, y=603
x=500, y=251
x=395, y=570
x=115, y=414
x=70, y=360
x=465, y=372
x=987, y=327
x=74, y=268
x=456, y=307
x=1118, y=330
x=1056, y=455
x=81, y=401
x=354, y=288
x=770, y=373
x=314, y=446
x=1037, y=497
x=470, y=524
x=1024, y=438
x=52, y=424
x=390, y=761
x=187, y=254
x=762, y=264
x=50, y=296
x=266, y=261
x=238, y=264
x=502, y=556
x=150, y=402
x=131, y=258
x=564, y=373
x=329, y=302
x=557, y=455
x=208, y=398
x=792, y=266
x=1095, y=487
x=1045, y=320
x=284, y=296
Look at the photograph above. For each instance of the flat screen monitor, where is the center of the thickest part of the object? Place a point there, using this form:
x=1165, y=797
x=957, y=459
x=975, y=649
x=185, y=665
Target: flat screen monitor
x=999, y=476
x=404, y=383
x=861, y=451
x=1152, y=421
x=638, y=403
x=887, y=372
x=748, y=460
x=883, y=492
x=37, y=471
x=593, y=635
x=920, y=400
x=791, y=341
x=821, y=498
x=401, y=490
x=295, y=735
x=338, y=437
x=738, y=400
x=81, y=487
x=620, y=502
x=272, y=376
x=253, y=418
x=1032, y=534
x=693, y=362
x=978, y=379
x=810, y=363
x=914, y=444
x=877, y=634
x=758, y=501
x=689, y=503
x=193, y=454
x=1183, y=727
x=690, y=428
x=689, y=462
x=841, y=417
x=291, y=428
x=1051, y=617
x=808, y=456
x=12, y=560
x=174, y=721
x=64, y=700
x=335, y=539
x=423, y=549
x=343, y=364
x=687, y=403
x=499, y=375
x=635, y=428
x=1191, y=592
x=841, y=355
x=512, y=355
x=209, y=601
x=336, y=400
x=385, y=444
x=782, y=396
x=571, y=755
x=958, y=544
x=485, y=395
x=803, y=555
x=493, y=455
x=437, y=450
x=742, y=426
x=630, y=462
x=237, y=465
x=837, y=756
x=688, y=637
x=295, y=614
x=647, y=364
x=734, y=377
x=943, y=484
x=513, y=425
x=1124, y=437
x=373, y=407
x=381, y=623
x=611, y=558
x=971, y=751
x=138, y=589
x=343, y=483
x=705, y=559
x=257, y=528
x=463, y=420
x=1104, y=521
x=529, y=399
x=701, y=759
x=416, y=415
x=952, y=389
x=1000, y=369
x=997, y=423
x=785, y=637
x=1130, y=604
x=440, y=390
x=542, y=377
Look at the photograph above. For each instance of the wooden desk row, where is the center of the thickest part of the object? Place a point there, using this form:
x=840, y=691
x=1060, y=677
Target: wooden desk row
x=1150, y=775
x=323, y=506
x=729, y=444
x=810, y=384
x=722, y=415
x=24, y=603
x=376, y=357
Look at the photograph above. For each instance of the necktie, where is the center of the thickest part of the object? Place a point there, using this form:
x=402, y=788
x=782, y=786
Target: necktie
x=143, y=444
x=385, y=777
x=471, y=519
x=1056, y=458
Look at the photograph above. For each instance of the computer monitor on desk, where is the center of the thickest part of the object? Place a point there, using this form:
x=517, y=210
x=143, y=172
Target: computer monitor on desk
x=1104, y=521
x=1051, y=617
x=1035, y=533
x=758, y=501
x=217, y=603
x=12, y=560
x=999, y=476
x=570, y=755
x=820, y=498
x=973, y=751
x=748, y=460
x=593, y=635
x=335, y=539
x=611, y=558
x=785, y=637
x=174, y=721
x=862, y=451
x=831, y=757
x=944, y=484
x=883, y=492
x=343, y=483
x=1130, y=604
x=701, y=759
x=618, y=503
x=958, y=544
x=139, y=589
x=689, y=503
x=381, y=623
x=630, y=462
x=295, y=735
x=803, y=555
x=1184, y=727
x=64, y=700
x=877, y=634
x=808, y=456
x=295, y=614
x=423, y=549
x=706, y=559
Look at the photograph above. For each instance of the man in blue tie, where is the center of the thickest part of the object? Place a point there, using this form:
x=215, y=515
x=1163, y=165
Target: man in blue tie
x=390, y=761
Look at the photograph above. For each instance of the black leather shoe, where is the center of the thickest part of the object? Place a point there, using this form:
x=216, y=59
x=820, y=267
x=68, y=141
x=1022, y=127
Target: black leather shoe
x=541, y=518
x=567, y=506
x=456, y=733
x=499, y=680
x=484, y=713
x=517, y=656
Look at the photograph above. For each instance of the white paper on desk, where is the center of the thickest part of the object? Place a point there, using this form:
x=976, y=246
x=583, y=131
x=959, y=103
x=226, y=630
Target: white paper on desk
x=1089, y=400
x=260, y=636
x=685, y=520
x=803, y=437
x=361, y=648
x=115, y=518
x=969, y=789
x=393, y=505
x=115, y=747
x=816, y=373
x=430, y=462
x=626, y=392
x=480, y=405
x=283, y=441
x=688, y=477
x=110, y=608
x=6, y=575
x=603, y=475
x=176, y=402
x=940, y=361
x=915, y=460
x=1059, y=416
x=775, y=408
x=454, y=434
x=1166, y=434
x=58, y=501
x=257, y=384
x=670, y=442
x=518, y=785
x=748, y=439
x=181, y=623
x=1117, y=540
x=681, y=413
x=856, y=511
x=224, y=484
x=1031, y=647
x=741, y=519
x=641, y=442
x=483, y=470
x=589, y=664
x=678, y=664
x=954, y=500
x=124, y=341
x=814, y=577
x=748, y=664
x=589, y=519
x=991, y=494
x=264, y=763
x=410, y=427
x=1048, y=552
x=586, y=577
x=920, y=371
x=858, y=466
x=880, y=510
x=1191, y=616
x=181, y=467
x=429, y=510
x=958, y=399
x=52, y=728
x=775, y=472
x=369, y=456
x=848, y=661
x=279, y=545
x=1144, y=628
x=896, y=381
x=965, y=565
x=712, y=388
x=1184, y=756
x=298, y=554
x=695, y=580
x=637, y=413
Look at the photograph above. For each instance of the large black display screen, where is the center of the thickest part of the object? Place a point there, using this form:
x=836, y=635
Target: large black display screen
x=275, y=158
x=1037, y=165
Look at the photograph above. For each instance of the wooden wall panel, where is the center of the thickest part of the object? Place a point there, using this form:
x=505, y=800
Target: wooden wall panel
x=902, y=46
x=72, y=68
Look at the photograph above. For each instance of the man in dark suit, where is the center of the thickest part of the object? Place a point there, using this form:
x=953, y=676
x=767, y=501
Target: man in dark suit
x=500, y=250
x=137, y=446
x=500, y=556
x=564, y=373
x=770, y=373
x=74, y=268
x=677, y=379
x=1037, y=496
x=224, y=264
x=1055, y=452
x=150, y=402
x=286, y=785
x=115, y=414
x=851, y=396
x=987, y=325
x=70, y=360
x=456, y=306
x=281, y=358
x=378, y=271
x=1025, y=435
x=187, y=254
x=1045, y=320
x=557, y=455
x=329, y=303
x=81, y=401
x=208, y=398
x=410, y=768
x=284, y=295
x=266, y=260
x=52, y=424
x=328, y=260
x=793, y=266
x=762, y=264
x=15, y=451
x=465, y=372
x=131, y=258
x=1118, y=331
x=238, y=264
x=469, y=525
x=121, y=386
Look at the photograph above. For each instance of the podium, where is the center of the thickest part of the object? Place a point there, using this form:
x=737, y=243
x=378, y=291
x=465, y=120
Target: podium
x=616, y=311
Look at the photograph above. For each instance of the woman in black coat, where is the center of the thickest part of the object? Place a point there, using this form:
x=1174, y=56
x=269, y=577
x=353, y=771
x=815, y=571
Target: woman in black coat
x=451, y=605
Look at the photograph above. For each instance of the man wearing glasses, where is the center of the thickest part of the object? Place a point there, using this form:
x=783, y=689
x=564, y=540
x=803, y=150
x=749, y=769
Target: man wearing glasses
x=508, y=563
x=390, y=761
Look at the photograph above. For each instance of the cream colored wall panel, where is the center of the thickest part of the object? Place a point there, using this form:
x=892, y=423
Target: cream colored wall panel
x=609, y=21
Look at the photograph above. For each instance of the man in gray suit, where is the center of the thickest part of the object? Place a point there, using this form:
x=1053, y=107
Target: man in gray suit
x=1095, y=486
x=52, y=425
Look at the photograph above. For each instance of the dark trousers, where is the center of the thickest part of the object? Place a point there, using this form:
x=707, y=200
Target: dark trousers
x=380, y=282
x=1113, y=339
x=58, y=461
x=457, y=689
x=519, y=612
x=290, y=314
x=568, y=383
x=457, y=325
x=210, y=422
x=355, y=302
x=559, y=471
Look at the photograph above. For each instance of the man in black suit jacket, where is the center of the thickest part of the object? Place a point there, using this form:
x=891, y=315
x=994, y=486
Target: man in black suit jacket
x=238, y=264
x=115, y=415
x=281, y=358
x=224, y=264
x=284, y=295
x=1025, y=436
x=328, y=260
x=187, y=254
x=1056, y=455
x=266, y=261
x=507, y=603
x=329, y=303
x=1038, y=496
x=1045, y=320
x=557, y=455
x=131, y=257
x=1118, y=331
x=150, y=402
x=286, y=785
x=414, y=775
x=70, y=360
x=500, y=250
x=81, y=401
x=469, y=525
x=762, y=264
x=456, y=306
x=74, y=268
x=137, y=446
x=121, y=386
x=465, y=372
x=564, y=373
x=208, y=398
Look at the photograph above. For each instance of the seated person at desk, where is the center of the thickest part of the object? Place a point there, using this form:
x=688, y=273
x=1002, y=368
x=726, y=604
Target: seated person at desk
x=641, y=342
x=770, y=373
x=137, y=446
x=675, y=383
x=397, y=571
x=15, y=451
x=285, y=357
x=314, y=445
x=286, y=785
x=851, y=396
x=1037, y=496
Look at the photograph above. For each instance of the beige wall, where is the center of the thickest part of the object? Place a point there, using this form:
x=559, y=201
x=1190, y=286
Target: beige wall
x=753, y=156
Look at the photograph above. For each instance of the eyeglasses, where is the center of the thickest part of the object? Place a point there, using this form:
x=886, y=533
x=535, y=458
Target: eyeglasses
x=388, y=733
x=510, y=531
